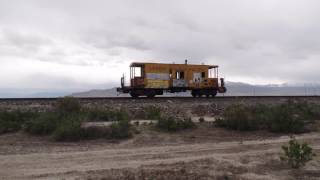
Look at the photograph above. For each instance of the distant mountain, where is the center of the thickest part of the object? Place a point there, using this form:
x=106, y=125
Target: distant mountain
x=31, y=93
x=233, y=89
x=98, y=93
x=243, y=89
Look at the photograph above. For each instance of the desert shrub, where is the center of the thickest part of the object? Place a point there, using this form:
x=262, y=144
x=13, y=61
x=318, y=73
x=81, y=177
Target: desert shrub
x=120, y=129
x=69, y=129
x=315, y=110
x=100, y=114
x=297, y=154
x=95, y=132
x=219, y=122
x=67, y=105
x=13, y=121
x=262, y=114
x=122, y=115
x=43, y=124
x=64, y=124
x=152, y=112
x=66, y=117
x=186, y=123
x=169, y=123
x=286, y=119
x=239, y=117
x=309, y=111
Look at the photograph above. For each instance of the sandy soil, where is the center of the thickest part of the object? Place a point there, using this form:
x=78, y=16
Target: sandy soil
x=203, y=153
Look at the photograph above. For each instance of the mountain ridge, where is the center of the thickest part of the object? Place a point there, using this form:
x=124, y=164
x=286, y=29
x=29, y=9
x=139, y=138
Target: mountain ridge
x=233, y=89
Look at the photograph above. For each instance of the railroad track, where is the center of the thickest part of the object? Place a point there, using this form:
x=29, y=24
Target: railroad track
x=164, y=98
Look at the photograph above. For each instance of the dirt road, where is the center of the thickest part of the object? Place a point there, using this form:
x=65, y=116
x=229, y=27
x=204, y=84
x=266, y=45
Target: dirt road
x=251, y=159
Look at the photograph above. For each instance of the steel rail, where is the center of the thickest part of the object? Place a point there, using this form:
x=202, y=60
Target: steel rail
x=160, y=97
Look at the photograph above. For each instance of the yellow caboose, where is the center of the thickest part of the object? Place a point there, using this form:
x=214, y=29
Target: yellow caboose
x=151, y=79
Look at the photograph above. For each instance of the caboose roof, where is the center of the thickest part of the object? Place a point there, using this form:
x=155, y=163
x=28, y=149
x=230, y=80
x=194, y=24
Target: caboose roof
x=133, y=64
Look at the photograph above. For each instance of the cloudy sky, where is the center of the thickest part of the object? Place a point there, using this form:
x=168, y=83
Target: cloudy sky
x=85, y=44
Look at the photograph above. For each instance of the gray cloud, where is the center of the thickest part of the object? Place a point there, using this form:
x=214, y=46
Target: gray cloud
x=264, y=41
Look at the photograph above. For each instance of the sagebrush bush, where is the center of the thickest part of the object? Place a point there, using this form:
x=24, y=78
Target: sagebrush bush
x=239, y=117
x=297, y=154
x=152, y=112
x=308, y=111
x=120, y=129
x=69, y=129
x=43, y=124
x=286, y=118
x=315, y=111
x=13, y=121
x=99, y=114
x=64, y=123
x=95, y=132
x=122, y=115
x=170, y=123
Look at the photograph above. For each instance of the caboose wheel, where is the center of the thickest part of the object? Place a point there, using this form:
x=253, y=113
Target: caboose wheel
x=213, y=93
x=134, y=95
x=194, y=93
x=151, y=95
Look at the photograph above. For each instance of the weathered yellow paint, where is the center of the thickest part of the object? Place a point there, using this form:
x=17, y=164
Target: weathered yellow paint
x=188, y=69
x=151, y=83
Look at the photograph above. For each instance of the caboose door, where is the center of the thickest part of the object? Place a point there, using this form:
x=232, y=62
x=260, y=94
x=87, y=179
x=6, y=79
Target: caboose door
x=197, y=79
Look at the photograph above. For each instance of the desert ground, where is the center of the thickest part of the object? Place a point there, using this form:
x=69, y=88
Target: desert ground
x=206, y=152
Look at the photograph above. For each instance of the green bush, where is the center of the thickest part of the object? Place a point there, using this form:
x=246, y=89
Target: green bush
x=95, y=133
x=308, y=111
x=239, y=117
x=99, y=114
x=315, y=111
x=44, y=124
x=153, y=112
x=186, y=123
x=13, y=121
x=69, y=129
x=120, y=129
x=122, y=115
x=286, y=118
x=169, y=123
x=262, y=114
x=64, y=124
x=297, y=154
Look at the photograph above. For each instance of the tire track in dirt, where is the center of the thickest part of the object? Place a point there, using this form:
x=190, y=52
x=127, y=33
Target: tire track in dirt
x=51, y=164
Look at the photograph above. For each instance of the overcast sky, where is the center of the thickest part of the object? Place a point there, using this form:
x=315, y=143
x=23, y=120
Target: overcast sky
x=77, y=44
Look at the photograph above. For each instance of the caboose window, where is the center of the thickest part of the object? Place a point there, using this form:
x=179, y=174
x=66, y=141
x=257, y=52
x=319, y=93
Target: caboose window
x=213, y=73
x=180, y=75
x=137, y=72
